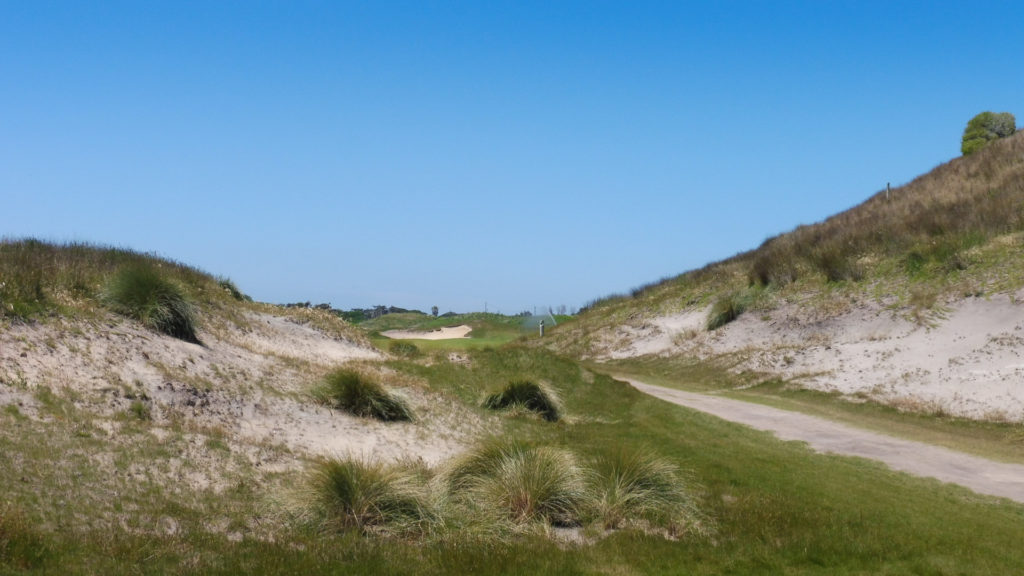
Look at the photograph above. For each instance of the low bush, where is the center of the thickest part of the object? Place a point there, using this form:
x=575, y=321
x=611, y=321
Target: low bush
x=361, y=395
x=538, y=398
x=142, y=293
x=836, y=263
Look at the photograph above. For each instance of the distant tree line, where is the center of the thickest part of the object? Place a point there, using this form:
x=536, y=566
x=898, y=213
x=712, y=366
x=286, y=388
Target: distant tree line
x=355, y=315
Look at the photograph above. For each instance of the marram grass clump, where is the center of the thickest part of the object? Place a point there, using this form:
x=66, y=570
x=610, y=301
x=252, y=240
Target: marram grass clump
x=637, y=488
x=370, y=495
x=361, y=395
x=520, y=483
x=530, y=396
x=501, y=488
x=143, y=293
x=727, y=308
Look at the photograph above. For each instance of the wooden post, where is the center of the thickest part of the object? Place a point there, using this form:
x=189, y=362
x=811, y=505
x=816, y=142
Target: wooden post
x=887, y=190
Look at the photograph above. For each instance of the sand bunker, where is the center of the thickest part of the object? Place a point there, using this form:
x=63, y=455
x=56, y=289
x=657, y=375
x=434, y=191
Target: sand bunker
x=446, y=333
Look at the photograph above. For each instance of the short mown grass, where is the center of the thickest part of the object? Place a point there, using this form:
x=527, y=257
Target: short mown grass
x=362, y=395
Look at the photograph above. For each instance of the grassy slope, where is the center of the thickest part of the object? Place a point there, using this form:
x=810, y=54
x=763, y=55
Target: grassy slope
x=777, y=507
x=954, y=231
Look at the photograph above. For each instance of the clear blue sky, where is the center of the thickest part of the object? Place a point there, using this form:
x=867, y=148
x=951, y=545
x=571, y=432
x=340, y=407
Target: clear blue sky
x=519, y=154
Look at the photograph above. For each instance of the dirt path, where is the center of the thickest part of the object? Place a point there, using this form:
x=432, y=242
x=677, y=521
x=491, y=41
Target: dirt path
x=978, y=474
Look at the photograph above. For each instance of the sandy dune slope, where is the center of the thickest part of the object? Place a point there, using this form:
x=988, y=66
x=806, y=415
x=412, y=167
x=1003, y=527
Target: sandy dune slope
x=966, y=359
x=251, y=379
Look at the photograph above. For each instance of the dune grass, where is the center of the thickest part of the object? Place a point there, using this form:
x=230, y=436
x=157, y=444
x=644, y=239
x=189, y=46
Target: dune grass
x=519, y=482
x=40, y=278
x=957, y=228
x=638, y=485
x=526, y=395
x=362, y=395
x=143, y=293
x=369, y=495
x=726, y=308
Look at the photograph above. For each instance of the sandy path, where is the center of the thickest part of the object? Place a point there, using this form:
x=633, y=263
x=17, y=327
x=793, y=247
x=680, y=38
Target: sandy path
x=978, y=474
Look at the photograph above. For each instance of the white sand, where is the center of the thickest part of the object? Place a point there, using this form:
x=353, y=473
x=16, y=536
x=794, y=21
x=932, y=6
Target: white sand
x=446, y=333
x=968, y=361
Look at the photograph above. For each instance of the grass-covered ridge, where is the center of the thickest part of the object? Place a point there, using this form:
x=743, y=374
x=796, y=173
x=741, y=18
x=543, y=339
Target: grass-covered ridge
x=957, y=228
x=41, y=278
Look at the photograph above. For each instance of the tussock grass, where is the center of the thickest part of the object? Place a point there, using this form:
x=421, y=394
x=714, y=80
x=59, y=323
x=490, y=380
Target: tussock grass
x=369, y=495
x=521, y=483
x=527, y=395
x=726, y=308
x=143, y=293
x=631, y=486
x=361, y=395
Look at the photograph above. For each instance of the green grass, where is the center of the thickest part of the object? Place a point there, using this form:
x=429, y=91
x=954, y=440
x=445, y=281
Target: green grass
x=143, y=293
x=527, y=484
x=361, y=395
x=403, y=349
x=369, y=496
x=1001, y=441
x=771, y=507
x=640, y=486
x=529, y=396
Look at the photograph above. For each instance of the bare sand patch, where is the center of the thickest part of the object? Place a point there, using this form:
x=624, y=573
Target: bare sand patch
x=966, y=360
x=446, y=333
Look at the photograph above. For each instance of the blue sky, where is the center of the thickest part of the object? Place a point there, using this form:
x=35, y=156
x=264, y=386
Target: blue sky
x=455, y=154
